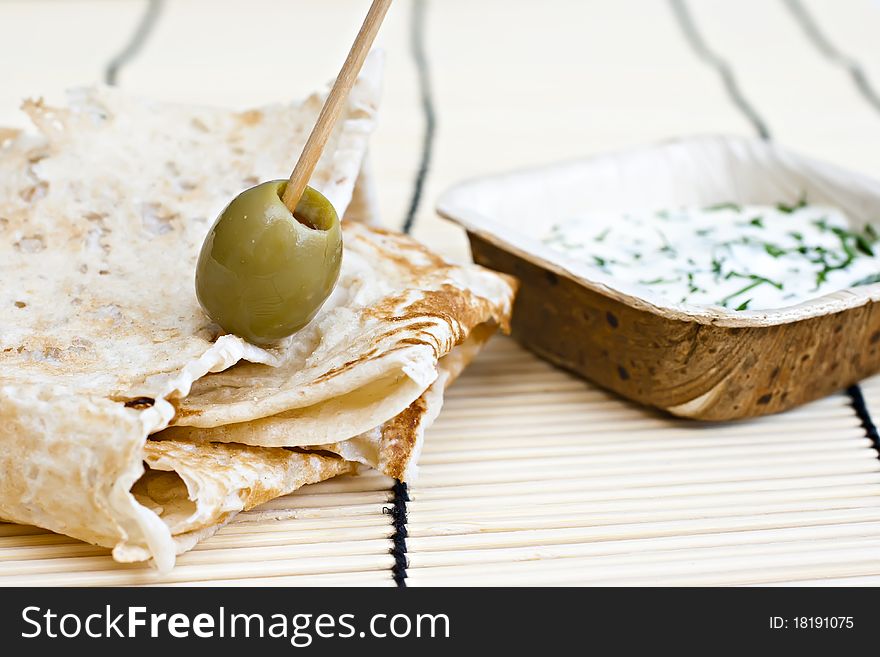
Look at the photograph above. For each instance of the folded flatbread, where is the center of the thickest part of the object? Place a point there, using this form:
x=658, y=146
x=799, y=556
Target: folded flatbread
x=127, y=419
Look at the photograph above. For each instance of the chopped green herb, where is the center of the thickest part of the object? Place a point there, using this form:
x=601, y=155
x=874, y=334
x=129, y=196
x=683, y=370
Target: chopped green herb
x=667, y=248
x=867, y=280
x=601, y=236
x=788, y=209
x=774, y=250
x=753, y=277
x=723, y=206
x=660, y=281
x=744, y=305
x=864, y=245
x=844, y=237
x=750, y=286
x=757, y=221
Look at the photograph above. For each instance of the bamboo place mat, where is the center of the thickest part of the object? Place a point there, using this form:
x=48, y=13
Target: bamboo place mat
x=529, y=476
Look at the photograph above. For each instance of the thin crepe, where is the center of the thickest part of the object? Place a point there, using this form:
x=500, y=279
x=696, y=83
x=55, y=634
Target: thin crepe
x=102, y=342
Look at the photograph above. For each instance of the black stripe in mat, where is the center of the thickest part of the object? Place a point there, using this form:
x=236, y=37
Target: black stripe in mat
x=398, y=519
x=137, y=40
x=818, y=38
x=857, y=400
x=713, y=59
x=861, y=408
x=705, y=53
x=420, y=58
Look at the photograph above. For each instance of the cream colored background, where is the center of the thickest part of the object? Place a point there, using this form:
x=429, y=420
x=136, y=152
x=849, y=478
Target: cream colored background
x=516, y=83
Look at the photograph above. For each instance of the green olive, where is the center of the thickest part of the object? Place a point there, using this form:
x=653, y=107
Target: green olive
x=263, y=271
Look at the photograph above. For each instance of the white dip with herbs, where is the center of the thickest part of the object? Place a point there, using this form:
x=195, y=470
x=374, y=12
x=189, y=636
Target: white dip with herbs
x=740, y=257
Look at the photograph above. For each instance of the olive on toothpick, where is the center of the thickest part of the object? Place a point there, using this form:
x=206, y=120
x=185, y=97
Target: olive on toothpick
x=264, y=272
x=272, y=258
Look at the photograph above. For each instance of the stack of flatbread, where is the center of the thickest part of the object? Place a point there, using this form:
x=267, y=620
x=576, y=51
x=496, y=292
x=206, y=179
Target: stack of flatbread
x=128, y=419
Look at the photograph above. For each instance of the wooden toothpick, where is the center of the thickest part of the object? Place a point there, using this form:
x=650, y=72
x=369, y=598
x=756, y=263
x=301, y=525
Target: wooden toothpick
x=308, y=159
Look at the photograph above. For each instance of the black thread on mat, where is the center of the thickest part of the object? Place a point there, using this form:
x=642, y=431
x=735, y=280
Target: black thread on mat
x=705, y=53
x=814, y=33
x=861, y=408
x=417, y=46
x=417, y=49
x=135, y=43
x=398, y=519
